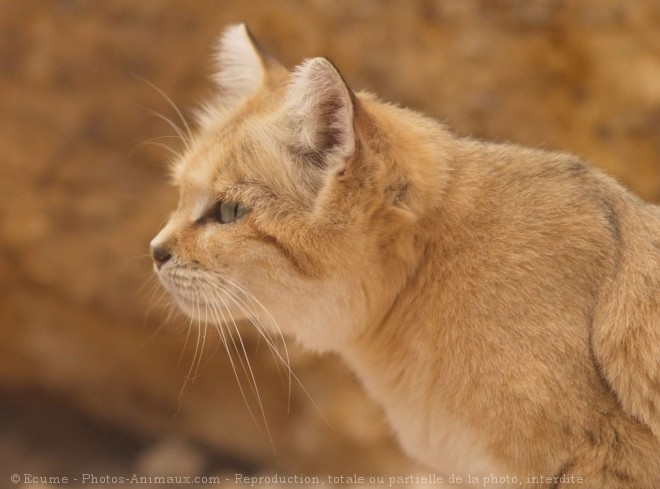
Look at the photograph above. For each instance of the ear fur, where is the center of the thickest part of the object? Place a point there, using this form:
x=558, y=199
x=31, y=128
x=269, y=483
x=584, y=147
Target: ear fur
x=242, y=65
x=320, y=110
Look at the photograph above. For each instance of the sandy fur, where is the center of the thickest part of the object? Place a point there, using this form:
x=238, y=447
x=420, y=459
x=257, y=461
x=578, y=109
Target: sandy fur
x=501, y=303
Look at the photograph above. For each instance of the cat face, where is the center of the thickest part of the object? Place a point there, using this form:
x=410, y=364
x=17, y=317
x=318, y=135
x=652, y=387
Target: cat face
x=278, y=201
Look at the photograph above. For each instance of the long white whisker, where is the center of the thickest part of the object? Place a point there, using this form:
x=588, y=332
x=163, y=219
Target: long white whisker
x=240, y=358
x=220, y=329
x=206, y=323
x=168, y=121
x=157, y=296
x=285, y=362
x=247, y=359
x=185, y=343
x=152, y=142
x=170, y=101
x=174, y=153
x=162, y=298
x=254, y=299
x=199, y=334
x=251, y=316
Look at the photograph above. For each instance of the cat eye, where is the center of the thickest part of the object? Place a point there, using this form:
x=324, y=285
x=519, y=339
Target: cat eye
x=223, y=213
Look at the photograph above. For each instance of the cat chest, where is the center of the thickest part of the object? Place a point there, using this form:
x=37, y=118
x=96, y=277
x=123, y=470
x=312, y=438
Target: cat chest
x=444, y=444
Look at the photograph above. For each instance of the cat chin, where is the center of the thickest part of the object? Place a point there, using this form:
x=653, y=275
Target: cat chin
x=204, y=312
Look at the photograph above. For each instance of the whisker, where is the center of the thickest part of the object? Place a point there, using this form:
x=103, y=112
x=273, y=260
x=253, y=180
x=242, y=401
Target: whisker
x=215, y=292
x=175, y=154
x=220, y=329
x=246, y=368
x=188, y=376
x=273, y=349
x=286, y=363
x=150, y=279
x=185, y=343
x=247, y=359
x=137, y=257
x=169, y=100
x=253, y=299
x=153, y=303
x=251, y=317
x=206, y=323
x=190, y=327
x=168, y=121
x=149, y=142
x=162, y=298
x=200, y=337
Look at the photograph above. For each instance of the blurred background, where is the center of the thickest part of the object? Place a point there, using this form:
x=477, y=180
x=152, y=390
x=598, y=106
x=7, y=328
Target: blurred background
x=92, y=373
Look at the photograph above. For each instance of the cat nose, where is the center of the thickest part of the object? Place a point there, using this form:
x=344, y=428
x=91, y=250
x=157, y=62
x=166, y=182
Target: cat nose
x=160, y=255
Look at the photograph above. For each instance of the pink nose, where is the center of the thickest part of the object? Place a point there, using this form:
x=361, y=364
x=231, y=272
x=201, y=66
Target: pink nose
x=160, y=255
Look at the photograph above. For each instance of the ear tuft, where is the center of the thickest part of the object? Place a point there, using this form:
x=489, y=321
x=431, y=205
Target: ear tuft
x=240, y=65
x=320, y=109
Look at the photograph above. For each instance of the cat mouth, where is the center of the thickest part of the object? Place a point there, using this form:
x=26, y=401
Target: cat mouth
x=190, y=297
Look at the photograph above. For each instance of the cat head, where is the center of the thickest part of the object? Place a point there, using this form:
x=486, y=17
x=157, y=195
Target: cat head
x=289, y=203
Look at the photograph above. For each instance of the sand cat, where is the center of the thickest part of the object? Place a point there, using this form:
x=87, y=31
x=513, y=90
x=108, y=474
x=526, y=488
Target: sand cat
x=501, y=303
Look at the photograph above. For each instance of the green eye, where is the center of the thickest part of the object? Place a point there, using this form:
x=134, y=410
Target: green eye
x=224, y=212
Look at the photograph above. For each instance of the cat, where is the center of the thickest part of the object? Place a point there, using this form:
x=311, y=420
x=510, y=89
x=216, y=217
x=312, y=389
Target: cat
x=501, y=303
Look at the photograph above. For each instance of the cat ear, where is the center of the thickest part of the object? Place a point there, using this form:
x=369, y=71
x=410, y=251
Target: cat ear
x=242, y=65
x=320, y=110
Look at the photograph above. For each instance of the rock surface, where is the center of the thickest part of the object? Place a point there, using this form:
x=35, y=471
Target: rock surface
x=80, y=198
